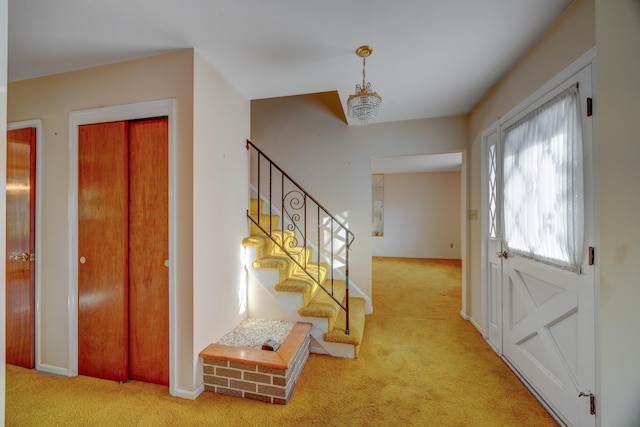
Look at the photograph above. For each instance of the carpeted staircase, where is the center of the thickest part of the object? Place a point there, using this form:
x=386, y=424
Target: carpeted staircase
x=292, y=278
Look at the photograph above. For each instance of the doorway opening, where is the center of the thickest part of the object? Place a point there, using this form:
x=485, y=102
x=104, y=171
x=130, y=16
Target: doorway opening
x=420, y=194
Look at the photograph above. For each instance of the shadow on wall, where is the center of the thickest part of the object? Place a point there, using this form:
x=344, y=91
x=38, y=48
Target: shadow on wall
x=327, y=101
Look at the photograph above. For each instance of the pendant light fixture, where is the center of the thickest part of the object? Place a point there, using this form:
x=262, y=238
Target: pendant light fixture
x=365, y=104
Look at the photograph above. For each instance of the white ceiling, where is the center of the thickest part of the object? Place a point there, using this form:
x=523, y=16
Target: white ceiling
x=431, y=58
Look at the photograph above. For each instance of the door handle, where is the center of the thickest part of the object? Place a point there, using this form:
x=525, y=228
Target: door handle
x=24, y=257
x=592, y=401
x=503, y=254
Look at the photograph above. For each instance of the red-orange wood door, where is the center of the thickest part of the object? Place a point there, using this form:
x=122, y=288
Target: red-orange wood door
x=103, y=309
x=20, y=247
x=148, y=251
x=123, y=221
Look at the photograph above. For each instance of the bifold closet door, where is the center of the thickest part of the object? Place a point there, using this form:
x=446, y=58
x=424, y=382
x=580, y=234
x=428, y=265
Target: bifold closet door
x=103, y=238
x=148, y=251
x=20, y=247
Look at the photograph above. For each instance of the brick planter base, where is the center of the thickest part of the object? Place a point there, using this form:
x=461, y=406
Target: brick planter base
x=255, y=374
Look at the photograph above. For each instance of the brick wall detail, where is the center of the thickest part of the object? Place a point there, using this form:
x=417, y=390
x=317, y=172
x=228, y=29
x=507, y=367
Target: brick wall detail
x=253, y=381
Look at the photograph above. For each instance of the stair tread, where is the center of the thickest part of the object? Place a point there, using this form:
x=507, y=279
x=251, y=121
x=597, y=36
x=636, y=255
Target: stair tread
x=297, y=254
x=322, y=305
x=265, y=246
x=357, y=308
x=299, y=281
x=301, y=284
x=255, y=240
x=270, y=262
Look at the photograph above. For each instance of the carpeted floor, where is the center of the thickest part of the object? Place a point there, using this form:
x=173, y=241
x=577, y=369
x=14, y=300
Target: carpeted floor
x=420, y=364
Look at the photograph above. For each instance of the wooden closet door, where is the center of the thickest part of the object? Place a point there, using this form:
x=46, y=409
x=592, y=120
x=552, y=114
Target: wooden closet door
x=148, y=251
x=102, y=250
x=20, y=245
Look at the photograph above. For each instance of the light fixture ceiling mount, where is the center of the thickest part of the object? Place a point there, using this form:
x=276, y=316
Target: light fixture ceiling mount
x=365, y=104
x=364, y=51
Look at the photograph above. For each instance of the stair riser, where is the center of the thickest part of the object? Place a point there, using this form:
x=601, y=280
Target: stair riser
x=255, y=207
x=347, y=351
x=269, y=224
x=290, y=301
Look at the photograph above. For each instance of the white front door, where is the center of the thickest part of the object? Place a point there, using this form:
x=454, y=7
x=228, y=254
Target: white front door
x=547, y=329
x=548, y=312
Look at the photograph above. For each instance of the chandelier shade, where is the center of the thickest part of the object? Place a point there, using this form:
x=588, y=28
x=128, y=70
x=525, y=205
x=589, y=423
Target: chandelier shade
x=363, y=106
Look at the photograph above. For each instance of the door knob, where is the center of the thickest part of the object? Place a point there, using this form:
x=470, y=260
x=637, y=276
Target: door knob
x=503, y=254
x=24, y=257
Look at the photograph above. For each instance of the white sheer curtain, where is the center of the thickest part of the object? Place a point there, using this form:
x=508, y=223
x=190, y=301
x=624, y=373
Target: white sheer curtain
x=543, y=195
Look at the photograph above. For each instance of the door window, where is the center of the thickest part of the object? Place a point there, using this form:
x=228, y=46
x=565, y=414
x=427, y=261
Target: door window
x=493, y=181
x=543, y=198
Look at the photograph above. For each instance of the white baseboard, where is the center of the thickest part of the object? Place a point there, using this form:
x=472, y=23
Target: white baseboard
x=64, y=372
x=466, y=317
x=56, y=370
x=474, y=323
x=188, y=394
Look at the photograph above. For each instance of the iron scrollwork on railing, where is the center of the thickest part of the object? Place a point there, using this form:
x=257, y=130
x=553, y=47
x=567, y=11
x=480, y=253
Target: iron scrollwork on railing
x=311, y=227
x=293, y=205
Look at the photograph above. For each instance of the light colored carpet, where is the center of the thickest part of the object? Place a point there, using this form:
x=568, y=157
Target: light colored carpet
x=420, y=364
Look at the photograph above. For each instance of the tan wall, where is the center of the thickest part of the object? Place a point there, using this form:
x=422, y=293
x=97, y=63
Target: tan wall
x=51, y=99
x=421, y=216
x=618, y=117
x=571, y=36
x=221, y=181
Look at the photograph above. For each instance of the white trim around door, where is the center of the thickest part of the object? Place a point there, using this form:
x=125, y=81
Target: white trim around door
x=141, y=110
